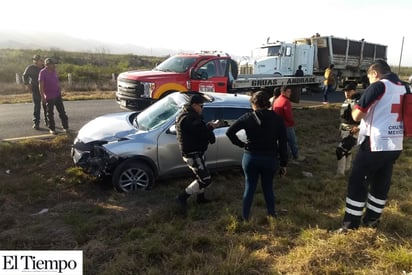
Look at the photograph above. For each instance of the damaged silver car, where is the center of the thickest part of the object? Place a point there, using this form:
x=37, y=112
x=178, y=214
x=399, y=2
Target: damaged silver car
x=134, y=149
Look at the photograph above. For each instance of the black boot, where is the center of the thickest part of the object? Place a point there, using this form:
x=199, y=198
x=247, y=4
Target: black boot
x=346, y=226
x=201, y=199
x=371, y=223
x=181, y=200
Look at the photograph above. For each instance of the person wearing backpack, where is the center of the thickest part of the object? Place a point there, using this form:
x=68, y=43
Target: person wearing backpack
x=381, y=143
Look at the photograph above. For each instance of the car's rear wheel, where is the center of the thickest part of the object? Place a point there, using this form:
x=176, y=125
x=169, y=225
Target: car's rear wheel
x=133, y=175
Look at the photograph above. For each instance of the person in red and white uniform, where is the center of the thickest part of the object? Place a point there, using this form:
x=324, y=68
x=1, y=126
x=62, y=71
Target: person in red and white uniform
x=381, y=143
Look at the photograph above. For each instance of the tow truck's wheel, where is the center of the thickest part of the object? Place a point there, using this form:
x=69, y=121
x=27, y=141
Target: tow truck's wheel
x=133, y=175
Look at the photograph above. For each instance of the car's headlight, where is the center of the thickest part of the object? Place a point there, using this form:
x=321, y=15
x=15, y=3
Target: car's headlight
x=148, y=89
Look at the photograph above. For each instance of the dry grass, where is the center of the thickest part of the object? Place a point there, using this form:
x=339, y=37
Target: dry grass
x=144, y=233
x=13, y=93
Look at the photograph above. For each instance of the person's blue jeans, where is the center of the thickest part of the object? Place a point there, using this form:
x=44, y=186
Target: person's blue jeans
x=326, y=90
x=292, y=141
x=255, y=166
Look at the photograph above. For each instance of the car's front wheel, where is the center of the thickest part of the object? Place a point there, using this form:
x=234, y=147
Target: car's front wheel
x=132, y=175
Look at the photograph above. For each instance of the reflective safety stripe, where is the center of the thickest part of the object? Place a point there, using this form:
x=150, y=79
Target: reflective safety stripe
x=374, y=208
x=354, y=212
x=193, y=188
x=355, y=203
x=376, y=200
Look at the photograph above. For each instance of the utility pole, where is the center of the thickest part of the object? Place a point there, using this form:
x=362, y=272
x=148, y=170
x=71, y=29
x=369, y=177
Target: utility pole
x=400, y=58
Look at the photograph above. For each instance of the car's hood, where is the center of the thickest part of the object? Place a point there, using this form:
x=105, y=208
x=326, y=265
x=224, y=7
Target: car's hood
x=107, y=128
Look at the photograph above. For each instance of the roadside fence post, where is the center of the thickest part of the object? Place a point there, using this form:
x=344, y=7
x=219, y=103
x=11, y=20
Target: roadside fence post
x=18, y=80
x=69, y=79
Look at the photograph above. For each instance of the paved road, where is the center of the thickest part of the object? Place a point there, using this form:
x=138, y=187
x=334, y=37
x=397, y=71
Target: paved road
x=16, y=119
x=317, y=98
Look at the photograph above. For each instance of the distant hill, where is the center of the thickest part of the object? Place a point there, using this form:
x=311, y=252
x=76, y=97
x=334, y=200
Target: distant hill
x=48, y=41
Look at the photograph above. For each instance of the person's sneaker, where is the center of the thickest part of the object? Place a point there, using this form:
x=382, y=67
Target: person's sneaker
x=339, y=175
x=66, y=130
x=371, y=224
x=36, y=126
x=300, y=158
x=345, y=228
x=241, y=219
x=53, y=132
x=292, y=161
x=342, y=230
x=182, y=202
x=325, y=102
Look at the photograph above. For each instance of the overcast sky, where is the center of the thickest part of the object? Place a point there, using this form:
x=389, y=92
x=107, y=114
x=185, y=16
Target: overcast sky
x=235, y=27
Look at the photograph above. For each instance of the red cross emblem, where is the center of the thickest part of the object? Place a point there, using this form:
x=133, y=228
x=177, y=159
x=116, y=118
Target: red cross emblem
x=397, y=109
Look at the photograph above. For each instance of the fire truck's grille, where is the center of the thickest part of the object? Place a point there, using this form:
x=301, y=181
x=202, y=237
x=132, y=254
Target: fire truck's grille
x=129, y=88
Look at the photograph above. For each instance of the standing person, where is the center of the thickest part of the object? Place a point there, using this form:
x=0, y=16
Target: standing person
x=30, y=79
x=51, y=95
x=266, y=141
x=381, y=143
x=328, y=83
x=283, y=107
x=299, y=71
x=194, y=136
x=348, y=130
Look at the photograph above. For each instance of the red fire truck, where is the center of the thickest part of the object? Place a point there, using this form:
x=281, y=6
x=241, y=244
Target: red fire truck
x=206, y=71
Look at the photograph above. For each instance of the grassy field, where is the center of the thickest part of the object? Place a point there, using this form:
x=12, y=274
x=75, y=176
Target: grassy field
x=144, y=233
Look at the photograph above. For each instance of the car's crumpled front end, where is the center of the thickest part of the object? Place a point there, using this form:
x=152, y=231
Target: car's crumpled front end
x=89, y=148
x=93, y=158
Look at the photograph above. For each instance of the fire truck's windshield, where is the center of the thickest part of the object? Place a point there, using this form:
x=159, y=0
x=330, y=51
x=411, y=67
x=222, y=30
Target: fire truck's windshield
x=177, y=64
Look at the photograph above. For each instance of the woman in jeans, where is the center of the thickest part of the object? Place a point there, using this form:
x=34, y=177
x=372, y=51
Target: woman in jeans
x=265, y=147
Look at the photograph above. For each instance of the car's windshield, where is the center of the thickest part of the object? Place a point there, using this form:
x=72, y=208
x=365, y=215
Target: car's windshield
x=177, y=64
x=159, y=113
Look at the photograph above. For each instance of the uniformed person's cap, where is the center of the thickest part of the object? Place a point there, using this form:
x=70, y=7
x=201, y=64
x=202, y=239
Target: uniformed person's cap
x=196, y=99
x=349, y=87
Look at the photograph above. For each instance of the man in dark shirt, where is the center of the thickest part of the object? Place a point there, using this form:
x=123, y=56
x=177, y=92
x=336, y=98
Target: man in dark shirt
x=299, y=71
x=30, y=80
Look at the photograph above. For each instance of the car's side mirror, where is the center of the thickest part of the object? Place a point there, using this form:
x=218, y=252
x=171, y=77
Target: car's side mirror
x=172, y=130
